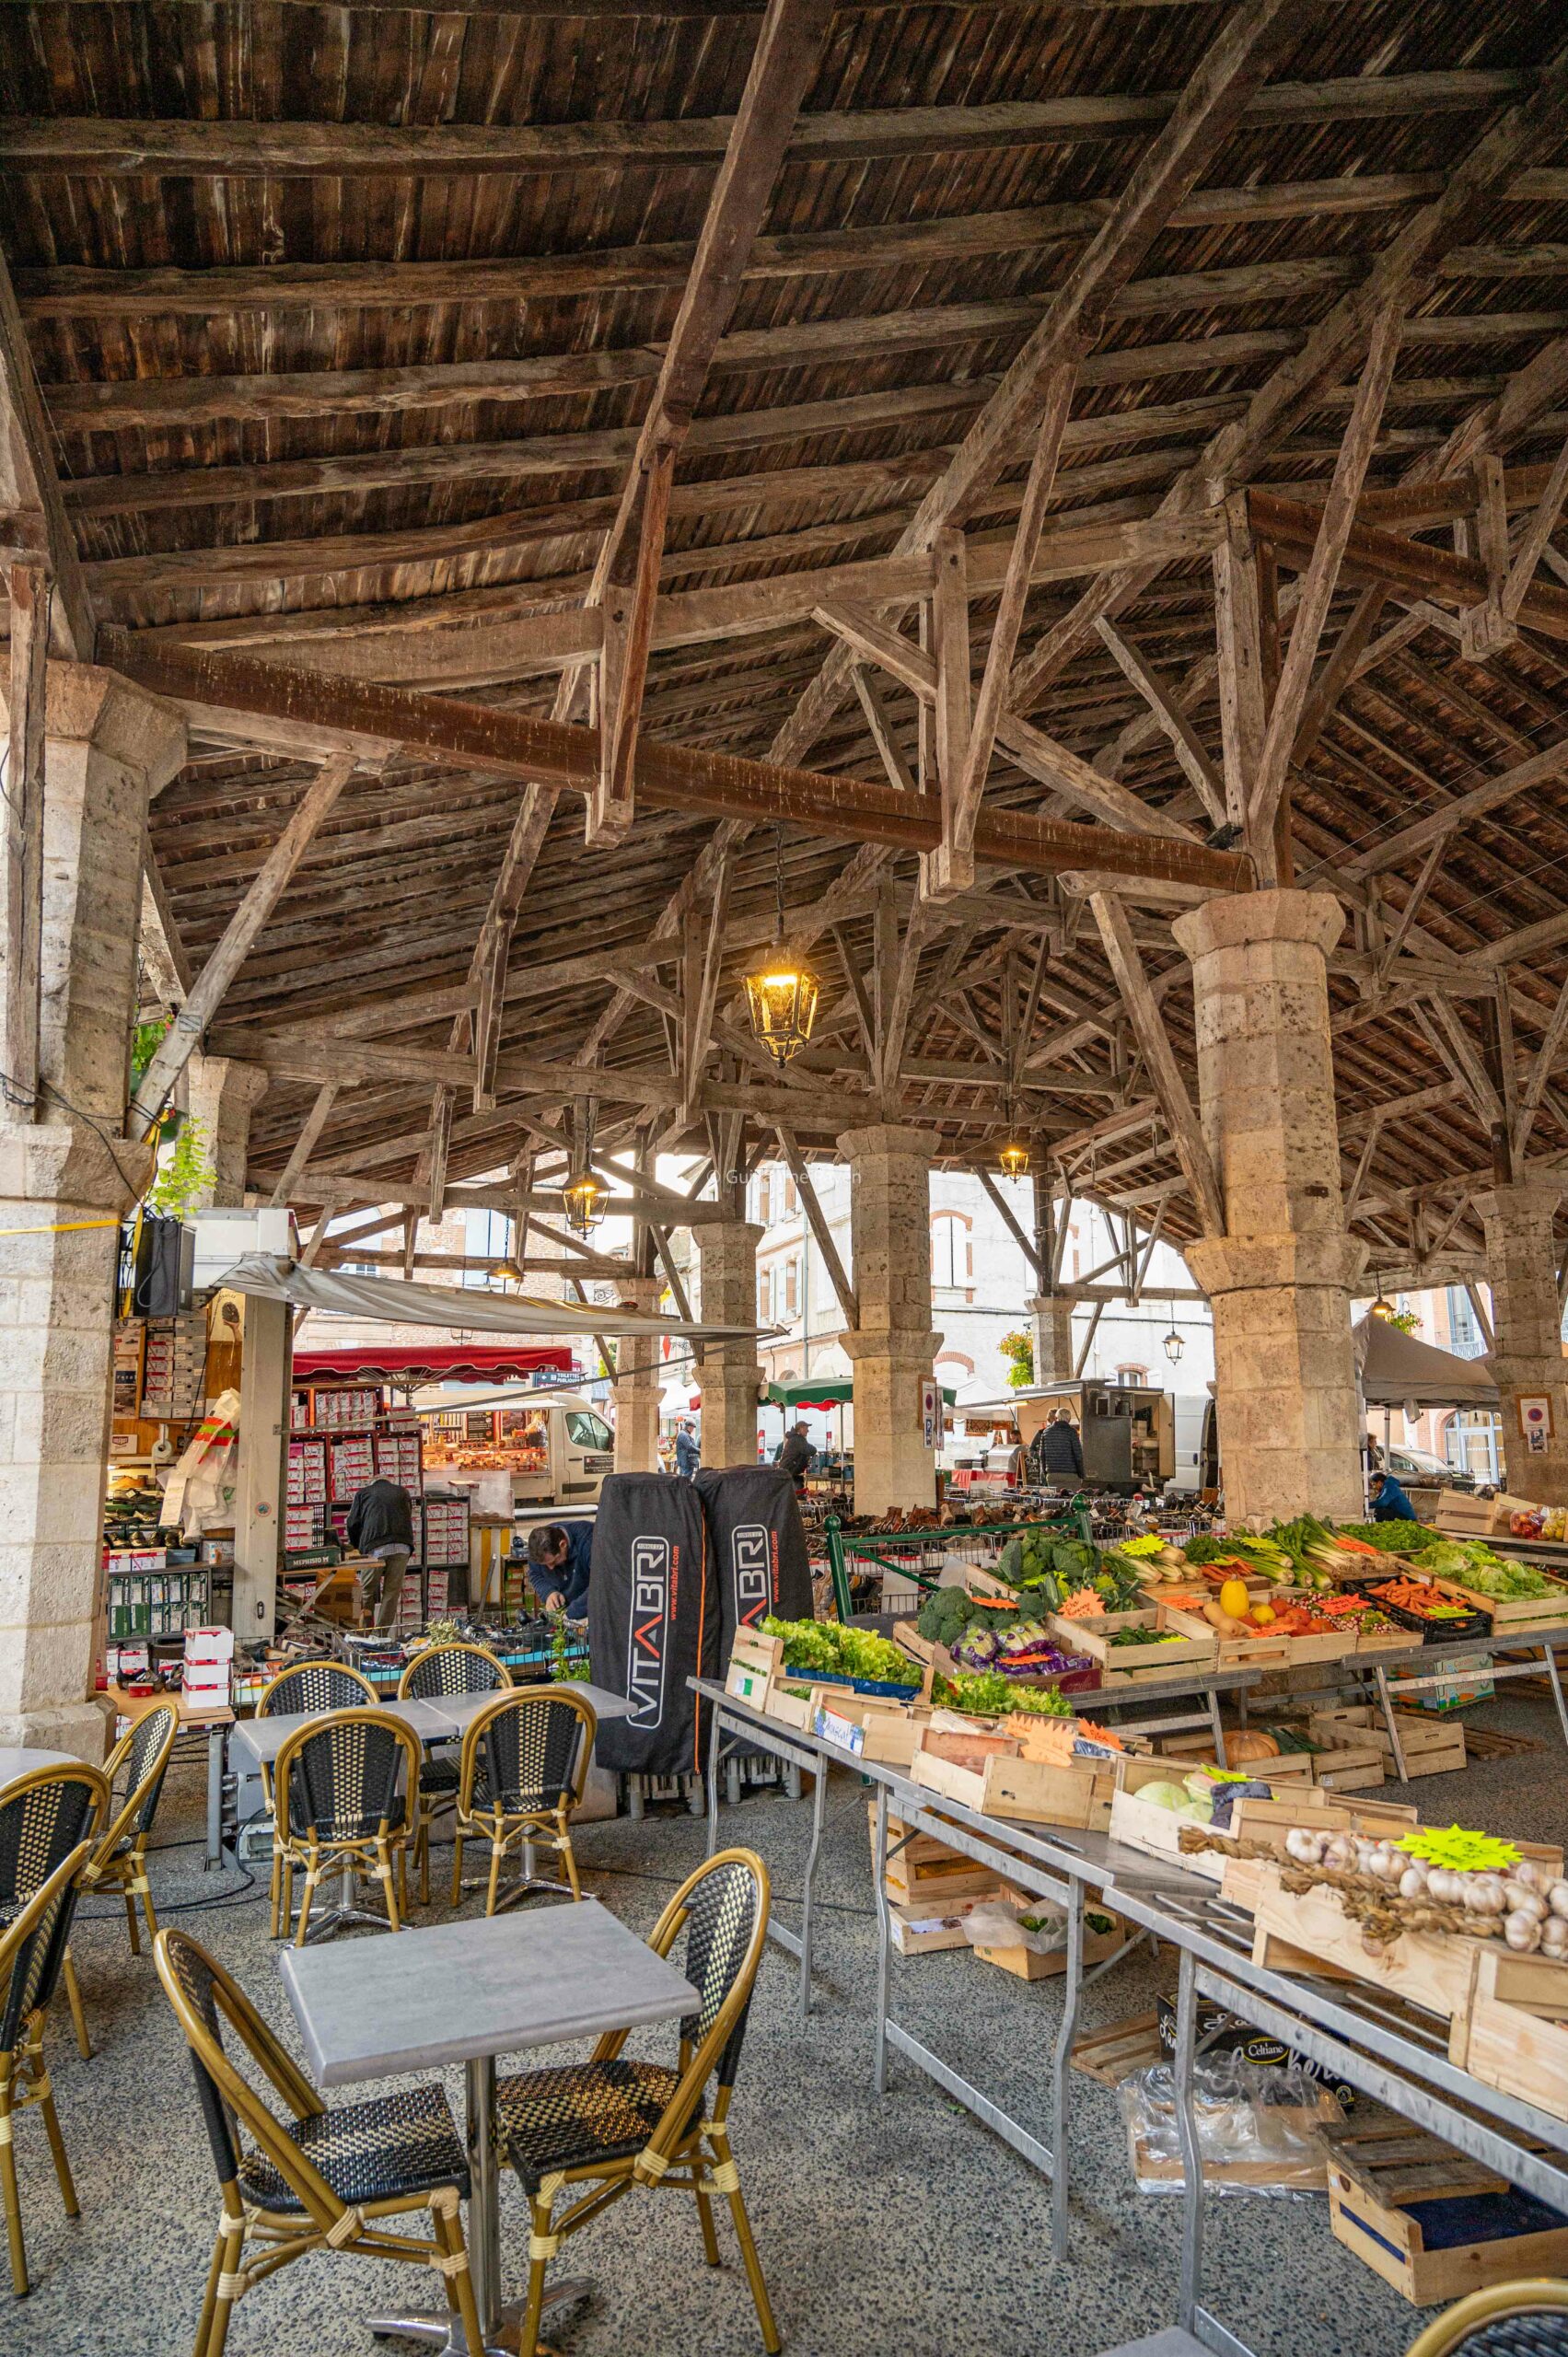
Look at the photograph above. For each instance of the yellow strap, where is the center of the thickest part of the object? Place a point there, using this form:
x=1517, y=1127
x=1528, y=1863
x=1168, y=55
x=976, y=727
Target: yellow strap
x=352, y=2223
x=543, y=2245
x=725, y=2178
x=137, y=1887
x=548, y=2186
x=445, y=2200
x=41, y=2090
x=458, y=2264
x=653, y=2165
x=4, y=2128
x=227, y=2225
x=234, y=2286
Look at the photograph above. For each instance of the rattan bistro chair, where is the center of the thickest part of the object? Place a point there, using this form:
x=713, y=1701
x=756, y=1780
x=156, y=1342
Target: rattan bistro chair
x=306, y=1686
x=609, y=2124
x=119, y=1861
x=339, y=1809
x=43, y=1814
x=524, y=1761
x=32, y=1948
x=1524, y=2319
x=455, y=1668
x=319, y=2179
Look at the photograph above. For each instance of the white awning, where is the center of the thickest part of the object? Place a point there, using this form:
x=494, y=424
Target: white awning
x=392, y=1302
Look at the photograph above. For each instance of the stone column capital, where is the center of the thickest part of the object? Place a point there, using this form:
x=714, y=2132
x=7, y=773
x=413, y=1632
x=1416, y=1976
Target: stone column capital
x=1532, y=1200
x=889, y=1138
x=75, y=1163
x=713, y=1235
x=909, y=1347
x=241, y=1085
x=87, y=705
x=1242, y=920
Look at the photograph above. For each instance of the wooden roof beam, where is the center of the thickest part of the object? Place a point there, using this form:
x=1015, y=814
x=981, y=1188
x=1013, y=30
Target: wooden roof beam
x=33, y=512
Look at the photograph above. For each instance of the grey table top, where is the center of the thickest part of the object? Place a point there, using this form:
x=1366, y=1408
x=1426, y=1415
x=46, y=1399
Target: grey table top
x=22, y=1762
x=460, y=1708
x=418, y=2001
x=262, y=1739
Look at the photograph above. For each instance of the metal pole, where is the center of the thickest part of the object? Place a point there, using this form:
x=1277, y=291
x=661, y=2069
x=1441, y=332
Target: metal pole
x=1186, y=2131
x=884, y=1943
x=1064, y=2063
x=484, y=2241
x=818, y=1812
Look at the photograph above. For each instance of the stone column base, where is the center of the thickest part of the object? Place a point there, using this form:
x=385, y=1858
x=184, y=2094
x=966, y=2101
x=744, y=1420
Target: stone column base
x=1289, y=1439
x=1528, y=1360
x=730, y=1408
x=79, y=1729
x=892, y=1464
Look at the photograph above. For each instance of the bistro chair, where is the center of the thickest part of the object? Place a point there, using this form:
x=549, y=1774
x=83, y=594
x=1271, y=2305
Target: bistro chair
x=524, y=1761
x=339, y=1809
x=454, y=1669
x=314, y=2179
x=43, y=1814
x=1524, y=2319
x=119, y=1861
x=313, y=1686
x=32, y=1948
x=610, y=2123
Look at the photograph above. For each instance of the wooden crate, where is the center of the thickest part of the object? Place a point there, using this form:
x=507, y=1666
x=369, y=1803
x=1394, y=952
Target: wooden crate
x=1300, y=2174
x=932, y=1927
x=1196, y=1748
x=969, y=1746
x=755, y=1662
x=1155, y=1831
x=1026, y=1964
x=1129, y=1664
x=1031, y=1791
x=1515, y=2033
x=1432, y=1747
x=1109, y=2056
x=1348, y=1768
x=1516, y=1611
x=925, y=1873
x=1375, y=2173
x=1261, y=1652
x=1312, y=1933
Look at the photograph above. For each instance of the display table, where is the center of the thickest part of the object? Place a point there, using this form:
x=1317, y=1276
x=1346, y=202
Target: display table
x=465, y=1992
x=214, y=1719
x=1537, y=1646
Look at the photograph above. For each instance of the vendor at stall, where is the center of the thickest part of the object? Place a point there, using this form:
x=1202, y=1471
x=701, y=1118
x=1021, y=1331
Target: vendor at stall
x=1389, y=1503
x=380, y=1525
x=560, y=1555
x=796, y=1457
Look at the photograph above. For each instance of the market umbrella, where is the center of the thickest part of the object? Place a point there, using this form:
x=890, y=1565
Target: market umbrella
x=1396, y=1371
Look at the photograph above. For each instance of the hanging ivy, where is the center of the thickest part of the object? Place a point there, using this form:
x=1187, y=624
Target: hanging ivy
x=1018, y=1350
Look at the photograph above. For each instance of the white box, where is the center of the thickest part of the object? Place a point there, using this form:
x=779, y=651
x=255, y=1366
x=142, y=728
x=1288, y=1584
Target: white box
x=226, y=1236
x=209, y=1646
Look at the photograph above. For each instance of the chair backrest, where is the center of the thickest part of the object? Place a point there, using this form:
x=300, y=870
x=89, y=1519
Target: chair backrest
x=206, y=2000
x=454, y=1669
x=315, y=1686
x=43, y=1814
x=338, y=1779
x=722, y=1907
x=143, y=1752
x=534, y=1745
x=33, y=1947
x=1527, y=2319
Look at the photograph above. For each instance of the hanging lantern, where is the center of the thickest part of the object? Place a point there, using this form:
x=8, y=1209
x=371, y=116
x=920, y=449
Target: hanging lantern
x=1174, y=1346
x=782, y=992
x=584, y=1200
x=1382, y=1309
x=1013, y=1160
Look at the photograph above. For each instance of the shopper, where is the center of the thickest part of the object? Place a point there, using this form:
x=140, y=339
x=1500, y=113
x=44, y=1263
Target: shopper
x=1389, y=1503
x=380, y=1525
x=688, y=1456
x=796, y=1457
x=1062, y=1451
x=560, y=1554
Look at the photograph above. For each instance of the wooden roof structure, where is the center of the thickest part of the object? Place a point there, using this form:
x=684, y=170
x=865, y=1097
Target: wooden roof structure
x=1005, y=470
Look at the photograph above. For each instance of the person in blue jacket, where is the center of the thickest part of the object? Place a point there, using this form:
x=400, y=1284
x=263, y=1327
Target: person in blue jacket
x=688, y=1456
x=560, y=1555
x=1389, y=1503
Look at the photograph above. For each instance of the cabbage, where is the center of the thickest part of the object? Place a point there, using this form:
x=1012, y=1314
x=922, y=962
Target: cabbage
x=1165, y=1796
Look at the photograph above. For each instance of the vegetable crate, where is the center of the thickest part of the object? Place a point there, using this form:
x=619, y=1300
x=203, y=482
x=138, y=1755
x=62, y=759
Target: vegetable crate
x=1261, y=1652
x=1514, y=2034
x=1431, y=2222
x=1431, y=1747
x=1311, y=1933
x=1028, y=1964
x=1032, y=1792
x=925, y=1874
x=911, y=1563
x=1517, y=1611
x=1156, y=1831
x=929, y=1927
x=1126, y=1664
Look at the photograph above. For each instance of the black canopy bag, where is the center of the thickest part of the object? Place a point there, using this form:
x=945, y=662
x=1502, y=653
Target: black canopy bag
x=653, y=1620
x=759, y=1544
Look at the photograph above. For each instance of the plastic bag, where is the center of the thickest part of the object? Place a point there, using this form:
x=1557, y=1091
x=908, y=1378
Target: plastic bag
x=1257, y=2129
x=995, y=1924
x=200, y=1490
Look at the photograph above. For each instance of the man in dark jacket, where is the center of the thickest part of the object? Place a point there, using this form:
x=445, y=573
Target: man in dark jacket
x=796, y=1456
x=688, y=1456
x=380, y=1525
x=1389, y=1503
x=559, y=1559
x=1061, y=1453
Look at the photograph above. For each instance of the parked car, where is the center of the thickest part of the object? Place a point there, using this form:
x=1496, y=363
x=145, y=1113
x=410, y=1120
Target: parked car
x=1420, y=1465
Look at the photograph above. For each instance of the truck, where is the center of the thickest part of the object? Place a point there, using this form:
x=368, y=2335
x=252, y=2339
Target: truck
x=553, y=1453
x=1128, y=1433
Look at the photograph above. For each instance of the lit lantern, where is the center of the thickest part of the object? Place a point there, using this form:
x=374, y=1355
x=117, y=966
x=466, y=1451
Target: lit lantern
x=1382, y=1309
x=1174, y=1346
x=1013, y=1160
x=584, y=1203
x=782, y=995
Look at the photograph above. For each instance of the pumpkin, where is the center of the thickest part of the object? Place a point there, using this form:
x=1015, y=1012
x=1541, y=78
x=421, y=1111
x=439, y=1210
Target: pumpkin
x=1235, y=1600
x=1248, y=1745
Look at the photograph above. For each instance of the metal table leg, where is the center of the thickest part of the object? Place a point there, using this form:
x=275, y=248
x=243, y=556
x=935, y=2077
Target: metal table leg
x=1386, y=1704
x=884, y=1942
x=818, y=1813
x=1549, y=1656
x=713, y=1783
x=1214, y=1722
x=215, y=1797
x=499, y=2320
x=1065, y=2036
x=1187, y=2131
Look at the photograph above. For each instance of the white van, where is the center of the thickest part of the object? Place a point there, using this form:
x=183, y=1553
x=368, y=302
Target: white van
x=556, y=1450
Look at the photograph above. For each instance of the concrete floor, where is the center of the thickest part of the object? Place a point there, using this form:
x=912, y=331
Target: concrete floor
x=890, y=2223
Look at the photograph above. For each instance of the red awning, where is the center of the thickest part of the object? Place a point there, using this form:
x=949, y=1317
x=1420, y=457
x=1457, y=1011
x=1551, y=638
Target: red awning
x=446, y=1363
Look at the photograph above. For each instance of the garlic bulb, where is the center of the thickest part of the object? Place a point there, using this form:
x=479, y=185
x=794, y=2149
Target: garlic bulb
x=1305, y=1847
x=1446, y=1886
x=1557, y=1898
x=1554, y=1936
x=1522, y=1931
x=1533, y=1876
x=1412, y=1883
x=1485, y=1895
x=1523, y=1900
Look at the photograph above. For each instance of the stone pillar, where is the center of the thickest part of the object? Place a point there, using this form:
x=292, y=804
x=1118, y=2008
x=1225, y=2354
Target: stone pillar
x=109, y=745
x=222, y=1094
x=728, y=1373
x=1280, y=1279
x=1054, y=1354
x=894, y=1345
x=1527, y=1357
x=637, y=1383
x=260, y=1466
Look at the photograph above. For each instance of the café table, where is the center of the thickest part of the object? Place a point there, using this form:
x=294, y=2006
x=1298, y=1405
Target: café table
x=21, y=1761
x=465, y=1992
